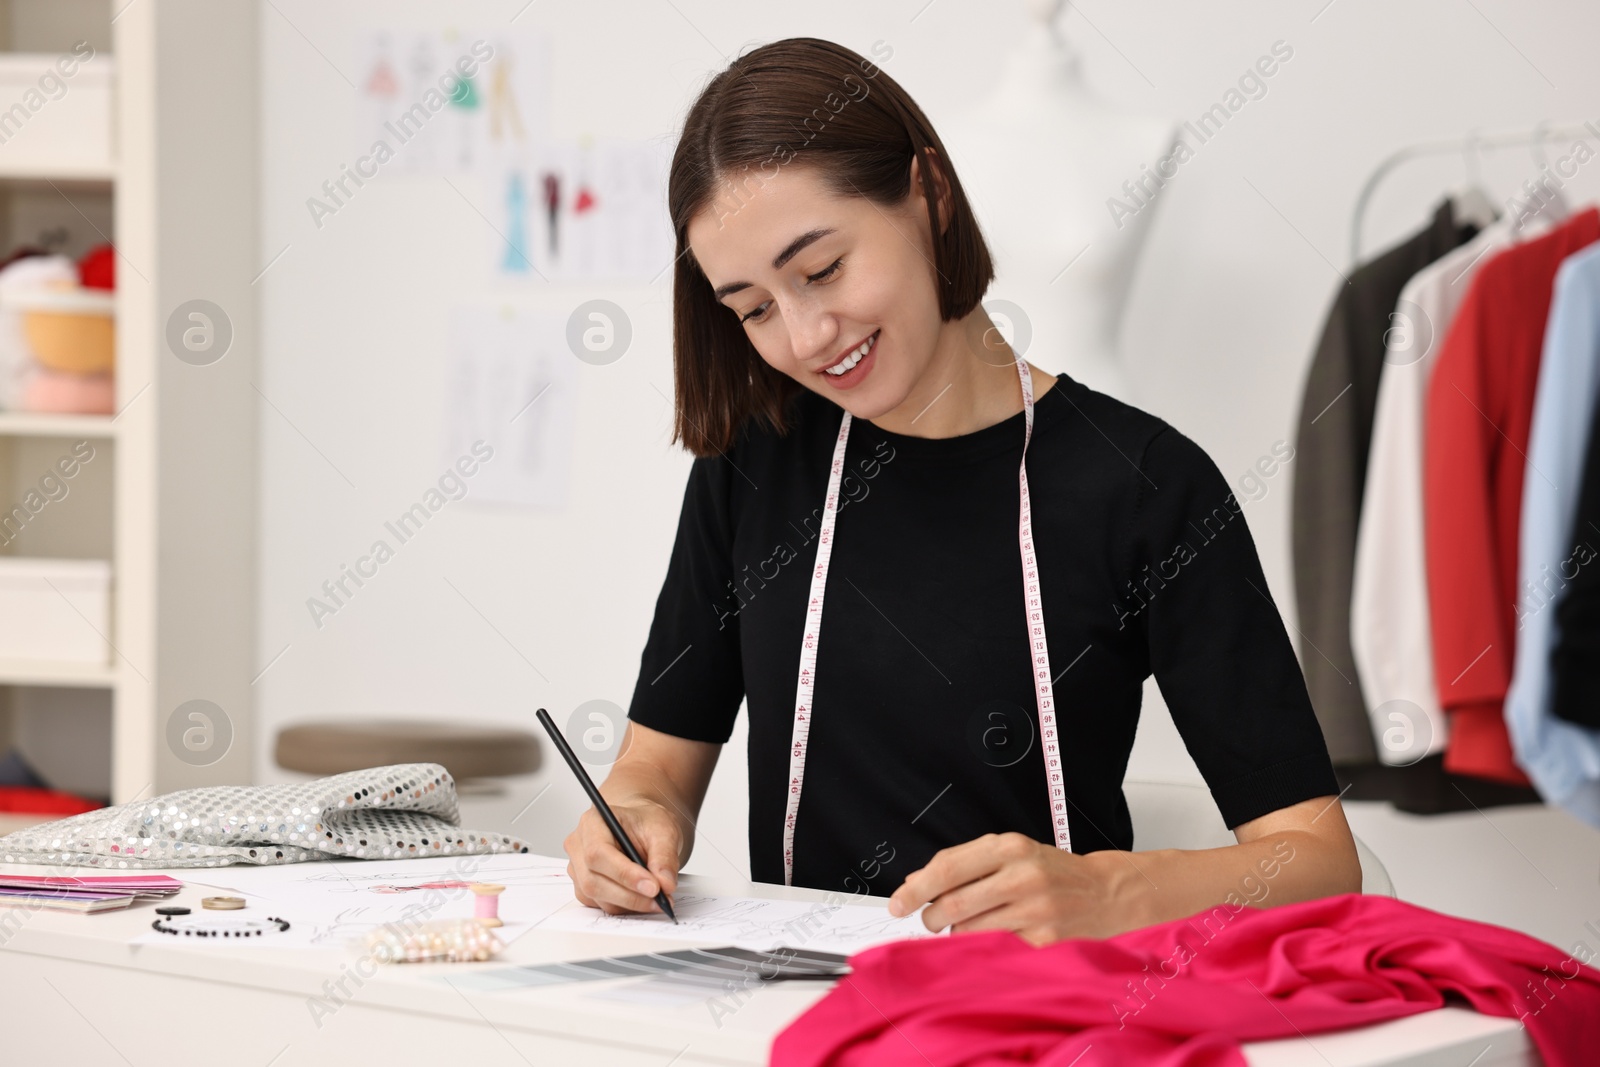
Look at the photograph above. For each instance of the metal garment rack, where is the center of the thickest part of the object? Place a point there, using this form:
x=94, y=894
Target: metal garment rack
x=1467, y=146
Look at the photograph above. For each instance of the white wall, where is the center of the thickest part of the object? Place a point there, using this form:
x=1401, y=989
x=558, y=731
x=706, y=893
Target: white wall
x=1244, y=258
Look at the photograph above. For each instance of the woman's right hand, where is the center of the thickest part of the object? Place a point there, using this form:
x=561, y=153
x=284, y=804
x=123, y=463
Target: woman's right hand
x=602, y=874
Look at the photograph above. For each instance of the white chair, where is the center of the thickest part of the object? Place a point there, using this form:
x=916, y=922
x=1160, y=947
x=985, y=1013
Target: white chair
x=1183, y=815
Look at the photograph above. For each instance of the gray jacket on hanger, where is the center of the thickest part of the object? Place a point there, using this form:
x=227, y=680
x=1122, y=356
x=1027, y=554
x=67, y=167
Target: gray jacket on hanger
x=1332, y=437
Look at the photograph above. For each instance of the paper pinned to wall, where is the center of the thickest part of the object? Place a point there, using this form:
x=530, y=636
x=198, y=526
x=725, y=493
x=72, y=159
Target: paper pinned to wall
x=451, y=101
x=584, y=209
x=513, y=384
x=475, y=106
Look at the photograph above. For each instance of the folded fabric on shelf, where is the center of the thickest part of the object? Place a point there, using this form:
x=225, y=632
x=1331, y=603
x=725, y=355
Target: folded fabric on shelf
x=401, y=811
x=23, y=790
x=16, y=770
x=37, y=800
x=1187, y=993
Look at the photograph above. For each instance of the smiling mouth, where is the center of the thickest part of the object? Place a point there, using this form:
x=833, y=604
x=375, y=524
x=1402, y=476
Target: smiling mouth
x=854, y=356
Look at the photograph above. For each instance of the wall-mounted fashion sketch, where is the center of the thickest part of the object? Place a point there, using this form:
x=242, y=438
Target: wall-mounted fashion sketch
x=452, y=101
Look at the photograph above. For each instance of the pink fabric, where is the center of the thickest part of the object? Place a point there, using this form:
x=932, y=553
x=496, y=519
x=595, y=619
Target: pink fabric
x=1187, y=993
x=75, y=394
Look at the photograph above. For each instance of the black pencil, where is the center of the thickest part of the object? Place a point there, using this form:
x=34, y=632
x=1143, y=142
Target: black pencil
x=599, y=803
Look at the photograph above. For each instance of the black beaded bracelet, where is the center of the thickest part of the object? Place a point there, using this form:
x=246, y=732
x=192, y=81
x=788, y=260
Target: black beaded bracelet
x=283, y=925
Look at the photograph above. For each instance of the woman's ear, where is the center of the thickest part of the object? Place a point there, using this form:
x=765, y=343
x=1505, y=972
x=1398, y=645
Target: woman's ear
x=941, y=184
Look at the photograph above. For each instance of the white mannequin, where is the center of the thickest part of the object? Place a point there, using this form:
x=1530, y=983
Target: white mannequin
x=1039, y=159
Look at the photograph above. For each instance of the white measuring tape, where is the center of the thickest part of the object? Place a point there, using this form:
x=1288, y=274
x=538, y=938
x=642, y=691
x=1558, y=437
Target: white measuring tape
x=805, y=688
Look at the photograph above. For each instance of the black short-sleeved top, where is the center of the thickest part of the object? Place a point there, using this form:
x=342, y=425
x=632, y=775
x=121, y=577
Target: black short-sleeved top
x=925, y=729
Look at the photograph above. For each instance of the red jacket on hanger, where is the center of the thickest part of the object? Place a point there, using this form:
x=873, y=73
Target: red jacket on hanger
x=1187, y=993
x=1475, y=440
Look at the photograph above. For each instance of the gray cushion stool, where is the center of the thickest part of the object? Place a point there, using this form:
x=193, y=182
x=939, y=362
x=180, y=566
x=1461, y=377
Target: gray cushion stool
x=468, y=751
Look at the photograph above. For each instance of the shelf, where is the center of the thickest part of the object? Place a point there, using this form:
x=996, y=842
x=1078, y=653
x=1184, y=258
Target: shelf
x=44, y=672
x=12, y=821
x=18, y=171
x=39, y=424
x=72, y=139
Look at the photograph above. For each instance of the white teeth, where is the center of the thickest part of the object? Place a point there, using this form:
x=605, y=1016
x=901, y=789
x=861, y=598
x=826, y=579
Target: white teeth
x=849, y=362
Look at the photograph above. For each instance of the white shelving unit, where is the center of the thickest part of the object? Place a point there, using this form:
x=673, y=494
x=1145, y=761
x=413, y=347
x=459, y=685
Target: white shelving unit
x=172, y=503
x=60, y=172
x=30, y=424
x=60, y=714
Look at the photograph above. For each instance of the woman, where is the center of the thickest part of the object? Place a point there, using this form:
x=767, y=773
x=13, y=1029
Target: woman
x=940, y=742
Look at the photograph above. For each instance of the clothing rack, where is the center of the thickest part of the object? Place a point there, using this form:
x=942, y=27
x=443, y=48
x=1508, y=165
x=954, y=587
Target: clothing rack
x=1535, y=137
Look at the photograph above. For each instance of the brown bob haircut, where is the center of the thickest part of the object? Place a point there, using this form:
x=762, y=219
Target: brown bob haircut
x=796, y=102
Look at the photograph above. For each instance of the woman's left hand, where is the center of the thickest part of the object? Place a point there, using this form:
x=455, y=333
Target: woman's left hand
x=1012, y=882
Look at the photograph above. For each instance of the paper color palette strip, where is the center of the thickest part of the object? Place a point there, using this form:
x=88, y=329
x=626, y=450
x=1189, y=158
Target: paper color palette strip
x=716, y=966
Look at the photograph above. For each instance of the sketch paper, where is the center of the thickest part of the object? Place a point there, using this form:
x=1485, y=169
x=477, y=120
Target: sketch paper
x=751, y=922
x=431, y=118
x=512, y=384
x=583, y=209
x=335, y=905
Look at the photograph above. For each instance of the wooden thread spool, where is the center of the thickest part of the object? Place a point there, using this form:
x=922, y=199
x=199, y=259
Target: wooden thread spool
x=486, y=908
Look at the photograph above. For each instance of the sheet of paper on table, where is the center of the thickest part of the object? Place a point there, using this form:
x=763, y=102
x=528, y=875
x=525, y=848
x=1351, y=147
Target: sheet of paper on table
x=334, y=905
x=752, y=922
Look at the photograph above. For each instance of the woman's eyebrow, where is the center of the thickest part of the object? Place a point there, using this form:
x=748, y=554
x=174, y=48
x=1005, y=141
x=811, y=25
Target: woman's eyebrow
x=794, y=248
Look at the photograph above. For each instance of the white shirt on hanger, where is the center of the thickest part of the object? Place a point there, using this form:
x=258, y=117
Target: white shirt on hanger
x=1390, y=631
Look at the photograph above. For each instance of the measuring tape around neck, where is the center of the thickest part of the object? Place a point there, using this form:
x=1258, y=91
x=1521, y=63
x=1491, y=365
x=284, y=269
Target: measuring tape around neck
x=805, y=687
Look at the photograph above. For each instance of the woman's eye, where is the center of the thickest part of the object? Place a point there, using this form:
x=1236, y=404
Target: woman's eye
x=826, y=273
x=760, y=312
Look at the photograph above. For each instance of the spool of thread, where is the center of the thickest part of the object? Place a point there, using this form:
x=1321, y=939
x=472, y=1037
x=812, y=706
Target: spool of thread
x=486, y=908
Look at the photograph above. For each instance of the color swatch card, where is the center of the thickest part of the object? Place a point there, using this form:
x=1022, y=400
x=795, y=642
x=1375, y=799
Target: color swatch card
x=83, y=893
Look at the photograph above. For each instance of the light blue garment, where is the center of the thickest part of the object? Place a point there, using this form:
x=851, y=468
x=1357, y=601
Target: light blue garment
x=1563, y=759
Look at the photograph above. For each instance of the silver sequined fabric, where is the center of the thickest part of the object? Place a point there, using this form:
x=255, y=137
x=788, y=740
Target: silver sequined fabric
x=396, y=812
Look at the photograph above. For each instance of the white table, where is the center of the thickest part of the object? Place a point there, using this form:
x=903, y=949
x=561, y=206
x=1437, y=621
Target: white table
x=73, y=990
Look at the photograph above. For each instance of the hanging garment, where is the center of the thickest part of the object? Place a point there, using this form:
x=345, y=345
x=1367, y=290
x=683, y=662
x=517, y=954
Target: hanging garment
x=1478, y=416
x=397, y=812
x=1575, y=661
x=1426, y=788
x=1335, y=425
x=1390, y=633
x=1187, y=993
x=1562, y=758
